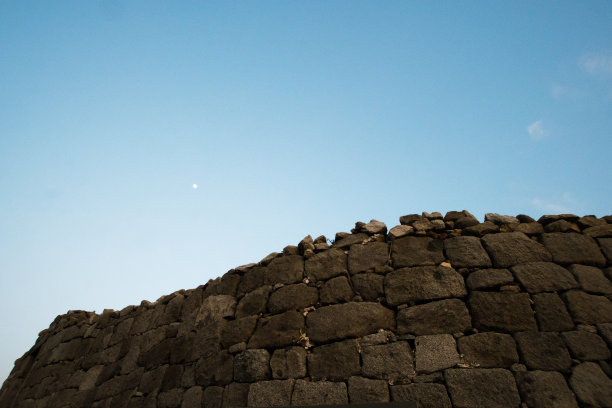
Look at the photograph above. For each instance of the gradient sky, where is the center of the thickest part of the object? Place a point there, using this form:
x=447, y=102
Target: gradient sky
x=292, y=118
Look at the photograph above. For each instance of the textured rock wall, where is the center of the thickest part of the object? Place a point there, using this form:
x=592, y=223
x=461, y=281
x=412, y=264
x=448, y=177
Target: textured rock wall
x=445, y=311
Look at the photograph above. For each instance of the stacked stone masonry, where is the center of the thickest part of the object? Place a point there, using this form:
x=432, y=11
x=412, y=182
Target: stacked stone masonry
x=445, y=311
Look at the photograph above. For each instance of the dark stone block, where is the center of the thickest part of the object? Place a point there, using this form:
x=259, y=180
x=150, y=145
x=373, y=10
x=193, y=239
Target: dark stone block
x=319, y=393
x=362, y=390
x=288, y=363
x=592, y=279
x=349, y=239
x=543, y=277
x=586, y=346
x=513, y=248
x=365, y=257
x=588, y=309
x=252, y=365
x=489, y=278
x=238, y=331
x=426, y=395
x=253, y=303
x=570, y=248
x=391, y=361
x=444, y=316
x=336, y=290
x=466, y=252
x=435, y=352
x=326, y=265
x=507, y=312
x=423, y=283
x=292, y=297
x=212, y=397
x=543, y=351
x=215, y=369
x=335, y=361
x=413, y=251
x=489, y=350
x=591, y=385
x=605, y=244
x=278, y=331
x=551, y=313
x=369, y=285
x=543, y=389
x=235, y=395
x=493, y=388
x=276, y=393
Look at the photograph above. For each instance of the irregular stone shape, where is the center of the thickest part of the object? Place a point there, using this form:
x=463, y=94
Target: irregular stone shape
x=591, y=385
x=493, y=387
x=276, y=393
x=350, y=239
x=253, y=303
x=336, y=290
x=192, y=397
x=435, y=352
x=480, y=230
x=252, y=365
x=586, y=346
x=591, y=279
x=513, y=248
x=588, y=309
x=551, y=313
x=238, y=331
x=285, y=269
x=369, y=285
x=605, y=330
x=335, y=361
x=488, y=350
x=374, y=227
x=363, y=390
x=212, y=397
x=288, y=363
x=530, y=228
x=426, y=395
x=391, y=361
x=543, y=389
x=561, y=226
x=215, y=369
x=543, y=351
x=590, y=221
x=605, y=244
x=489, y=278
x=599, y=231
x=543, y=277
x=235, y=395
x=399, y=231
x=501, y=219
x=509, y=312
x=465, y=222
x=466, y=252
x=170, y=399
x=423, y=283
x=326, y=265
x=410, y=218
x=413, y=251
x=215, y=308
x=292, y=297
x=319, y=393
x=444, y=316
x=364, y=257
x=570, y=248
x=338, y=322
x=278, y=331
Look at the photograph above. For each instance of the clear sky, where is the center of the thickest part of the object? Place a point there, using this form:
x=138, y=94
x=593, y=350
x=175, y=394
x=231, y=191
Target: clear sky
x=291, y=117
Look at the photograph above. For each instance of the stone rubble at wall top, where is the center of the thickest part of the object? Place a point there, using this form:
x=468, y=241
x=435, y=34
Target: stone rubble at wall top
x=446, y=311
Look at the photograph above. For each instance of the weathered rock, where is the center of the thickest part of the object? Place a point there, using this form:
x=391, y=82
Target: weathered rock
x=551, y=313
x=588, y=309
x=349, y=240
x=525, y=218
x=369, y=285
x=292, y=297
x=435, y=352
x=599, y=231
x=252, y=365
x=543, y=389
x=192, y=398
x=338, y=322
x=336, y=361
x=543, y=351
x=413, y=251
x=501, y=219
x=479, y=230
x=488, y=350
x=466, y=252
x=275, y=393
x=605, y=244
x=365, y=257
x=423, y=283
x=374, y=227
x=465, y=222
x=215, y=369
x=426, y=395
x=410, y=218
x=326, y=265
x=586, y=346
x=391, y=361
x=561, y=226
x=170, y=399
x=399, y=231
x=590, y=221
x=319, y=393
x=591, y=279
x=288, y=363
x=444, y=316
x=543, y=277
x=509, y=312
x=238, y=331
x=278, y=330
x=253, y=303
x=488, y=278
x=570, y=248
x=494, y=387
x=236, y=395
x=363, y=390
x=531, y=228
x=591, y=385
x=213, y=397
x=605, y=330
x=513, y=248
x=215, y=308
x=336, y=290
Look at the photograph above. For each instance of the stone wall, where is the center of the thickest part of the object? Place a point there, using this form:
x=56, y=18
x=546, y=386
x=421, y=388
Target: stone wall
x=445, y=311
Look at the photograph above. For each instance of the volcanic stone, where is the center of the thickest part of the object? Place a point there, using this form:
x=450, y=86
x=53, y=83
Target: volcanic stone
x=426, y=395
x=591, y=279
x=253, y=303
x=336, y=290
x=481, y=229
x=543, y=277
x=326, y=265
x=413, y=251
x=292, y=297
x=444, y=316
x=369, y=285
x=362, y=390
x=350, y=239
x=494, y=387
x=236, y=395
x=391, y=361
x=513, y=248
x=252, y=365
x=216, y=308
x=399, y=231
x=212, y=397
x=466, y=252
x=543, y=389
x=586, y=346
x=435, y=352
x=605, y=244
x=337, y=322
x=489, y=350
x=374, y=227
x=569, y=248
x=274, y=393
x=551, y=313
x=423, y=283
x=364, y=257
x=335, y=361
x=319, y=393
x=278, y=330
x=530, y=228
x=543, y=351
x=489, y=278
x=588, y=309
x=508, y=312
x=591, y=385
x=288, y=363
x=599, y=231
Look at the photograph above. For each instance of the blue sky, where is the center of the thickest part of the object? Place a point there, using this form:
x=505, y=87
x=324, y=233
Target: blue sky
x=292, y=118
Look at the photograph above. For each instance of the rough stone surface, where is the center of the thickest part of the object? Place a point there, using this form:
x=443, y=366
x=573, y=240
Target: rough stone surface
x=506, y=312
x=586, y=346
x=543, y=277
x=514, y=248
x=551, y=313
x=292, y=297
x=252, y=365
x=326, y=265
x=336, y=290
x=489, y=278
x=362, y=390
x=591, y=385
x=278, y=330
x=423, y=283
x=391, y=361
x=543, y=389
x=444, y=316
x=319, y=393
x=369, y=285
x=288, y=363
x=494, y=387
x=435, y=352
x=488, y=350
x=400, y=231
x=570, y=248
x=414, y=251
x=350, y=239
x=591, y=279
x=466, y=252
x=425, y=395
x=588, y=309
x=253, y=303
x=543, y=351
x=605, y=244
x=275, y=393
x=365, y=257
x=335, y=361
